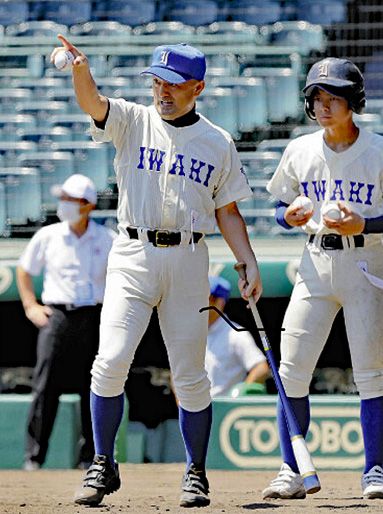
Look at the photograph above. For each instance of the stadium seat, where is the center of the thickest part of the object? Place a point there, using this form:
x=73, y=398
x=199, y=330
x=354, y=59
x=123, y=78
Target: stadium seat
x=40, y=86
x=13, y=11
x=130, y=12
x=100, y=28
x=41, y=110
x=54, y=168
x=168, y=29
x=231, y=32
x=375, y=105
x=79, y=125
x=22, y=194
x=301, y=130
x=250, y=98
x=9, y=97
x=310, y=39
x=11, y=150
x=10, y=122
x=255, y=12
x=373, y=75
x=45, y=136
x=36, y=29
x=273, y=145
x=261, y=197
x=219, y=105
x=194, y=12
x=369, y=121
x=322, y=12
x=289, y=10
x=66, y=95
x=4, y=232
x=225, y=64
x=282, y=92
x=89, y=158
x=260, y=165
x=68, y=12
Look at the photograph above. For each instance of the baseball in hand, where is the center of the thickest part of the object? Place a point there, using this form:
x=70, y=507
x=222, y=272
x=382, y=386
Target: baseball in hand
x=64, y=60
x=332, y=211
x=304, y=203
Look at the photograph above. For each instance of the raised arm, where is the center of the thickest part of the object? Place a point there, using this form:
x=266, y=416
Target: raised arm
x=87, y=94
x=233, y=229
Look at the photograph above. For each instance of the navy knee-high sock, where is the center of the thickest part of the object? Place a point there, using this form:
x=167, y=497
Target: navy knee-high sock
x=195, y=428
x=371, y=419
x=301, y=408
x=106, y=418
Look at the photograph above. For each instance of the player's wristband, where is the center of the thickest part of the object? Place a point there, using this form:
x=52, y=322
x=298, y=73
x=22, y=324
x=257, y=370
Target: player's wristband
x=373, y=225
x=280, y=210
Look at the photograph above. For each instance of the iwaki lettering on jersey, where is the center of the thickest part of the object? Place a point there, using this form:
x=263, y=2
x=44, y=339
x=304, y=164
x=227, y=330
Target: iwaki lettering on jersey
x=345, y=190
x=152, y=159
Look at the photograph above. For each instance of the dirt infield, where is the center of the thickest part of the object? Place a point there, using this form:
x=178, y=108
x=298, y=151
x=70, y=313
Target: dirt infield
x=154, y=488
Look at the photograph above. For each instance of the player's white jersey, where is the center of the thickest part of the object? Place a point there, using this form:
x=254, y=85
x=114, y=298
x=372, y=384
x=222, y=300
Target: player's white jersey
x=170, y=178
x=309, y=167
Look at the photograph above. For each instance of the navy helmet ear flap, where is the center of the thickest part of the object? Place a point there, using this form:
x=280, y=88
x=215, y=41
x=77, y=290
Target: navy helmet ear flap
x=358, y=101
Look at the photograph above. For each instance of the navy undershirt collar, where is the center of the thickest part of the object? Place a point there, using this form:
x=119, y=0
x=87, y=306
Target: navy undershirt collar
x=187, y=119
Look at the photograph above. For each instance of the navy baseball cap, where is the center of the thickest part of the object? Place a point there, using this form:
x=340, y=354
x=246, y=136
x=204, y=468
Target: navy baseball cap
x=219, y=287
x=177, y=63
x=333, y=73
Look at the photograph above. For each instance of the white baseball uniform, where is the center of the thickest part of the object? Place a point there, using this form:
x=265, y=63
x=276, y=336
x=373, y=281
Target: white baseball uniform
x=230, y=355
x=330, y=279
x=171, y=179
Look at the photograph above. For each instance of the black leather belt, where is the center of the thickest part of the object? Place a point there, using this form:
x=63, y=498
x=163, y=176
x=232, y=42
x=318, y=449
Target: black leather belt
x=163, y=238
x=335, y=241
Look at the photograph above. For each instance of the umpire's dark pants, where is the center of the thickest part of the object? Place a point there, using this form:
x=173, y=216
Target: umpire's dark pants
x=66, y=348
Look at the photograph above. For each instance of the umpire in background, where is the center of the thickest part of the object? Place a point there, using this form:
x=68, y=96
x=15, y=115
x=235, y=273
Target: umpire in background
x=73, y=256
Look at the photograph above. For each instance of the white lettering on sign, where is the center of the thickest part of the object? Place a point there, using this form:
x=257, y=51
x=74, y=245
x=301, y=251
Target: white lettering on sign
x=338, y=443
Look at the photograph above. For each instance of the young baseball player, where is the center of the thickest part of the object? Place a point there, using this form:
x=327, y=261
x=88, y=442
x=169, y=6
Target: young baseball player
x=342, y=263
x=177, y=175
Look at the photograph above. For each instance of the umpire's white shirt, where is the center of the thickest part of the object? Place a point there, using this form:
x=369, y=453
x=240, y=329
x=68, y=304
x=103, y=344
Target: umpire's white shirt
x=230, y=355
x=74, y=267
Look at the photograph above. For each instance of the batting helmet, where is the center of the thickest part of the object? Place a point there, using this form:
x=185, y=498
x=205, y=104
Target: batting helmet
x=339, y=77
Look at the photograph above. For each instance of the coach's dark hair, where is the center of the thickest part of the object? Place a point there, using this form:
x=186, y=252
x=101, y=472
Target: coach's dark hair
x=355, y=96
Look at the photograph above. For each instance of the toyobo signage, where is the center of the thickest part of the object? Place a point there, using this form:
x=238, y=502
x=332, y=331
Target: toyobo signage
x=245, y=434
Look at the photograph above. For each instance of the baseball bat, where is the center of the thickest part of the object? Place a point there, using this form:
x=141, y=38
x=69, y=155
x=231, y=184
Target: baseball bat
x=302, y=455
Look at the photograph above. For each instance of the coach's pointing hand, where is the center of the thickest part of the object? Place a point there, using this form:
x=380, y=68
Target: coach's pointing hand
x=80, y=57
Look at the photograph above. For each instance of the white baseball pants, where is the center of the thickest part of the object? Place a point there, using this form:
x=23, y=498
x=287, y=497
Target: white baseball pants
x=140, y=277
x=327, y=281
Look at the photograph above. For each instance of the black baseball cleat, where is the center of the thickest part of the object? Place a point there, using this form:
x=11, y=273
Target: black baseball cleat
x=195, y=489
x=100, y=479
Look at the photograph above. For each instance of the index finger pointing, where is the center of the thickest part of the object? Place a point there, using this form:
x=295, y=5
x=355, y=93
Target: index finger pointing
x=68, y=45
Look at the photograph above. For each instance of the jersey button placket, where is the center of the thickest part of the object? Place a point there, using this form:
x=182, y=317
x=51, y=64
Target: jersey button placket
x=170, y=197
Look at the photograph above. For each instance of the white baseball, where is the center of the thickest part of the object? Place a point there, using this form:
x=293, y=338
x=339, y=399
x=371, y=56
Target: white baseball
x=304, y=203
x=64, y=60
x=332, y=211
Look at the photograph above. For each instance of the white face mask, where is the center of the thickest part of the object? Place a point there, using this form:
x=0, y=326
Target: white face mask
x=68, y=211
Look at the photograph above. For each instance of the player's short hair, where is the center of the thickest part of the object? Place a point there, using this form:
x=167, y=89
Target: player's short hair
x=339, y=77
